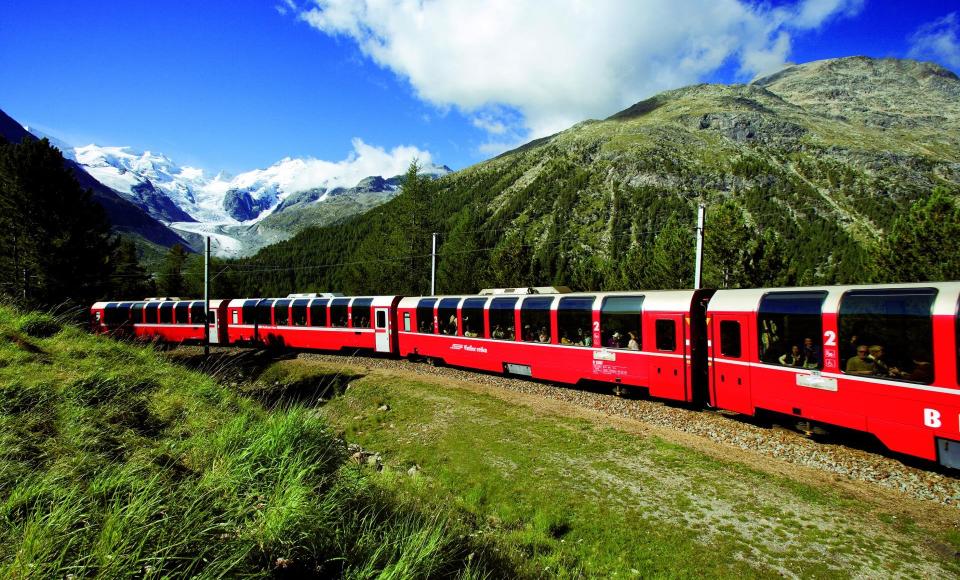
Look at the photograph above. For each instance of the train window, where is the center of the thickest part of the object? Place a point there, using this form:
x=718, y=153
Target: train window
x=620, y=318
x=166, y=313
x=447, y=315
x=472, y=315
x=502, y=318
x=299, y=317
x=381, y=318
x=888, y=333
x=151, y=312
x=318, y=312
x=730, y=338
x=117, y=313
x=249, y=309
x=360, y=312
x=789, y=328
x=575, y=320
x=181, y=313
x=406, y=322
x=338, y=312
x=196, y=313
x=425, y=315
x=535, y=319
x=666, y=331
x=236, y=318
x=281, y=313
x=264, y=313
x=136, y=313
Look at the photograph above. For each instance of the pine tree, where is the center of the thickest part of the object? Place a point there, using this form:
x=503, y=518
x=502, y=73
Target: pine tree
x=171, y=282
x=671, y=260
x=130, y=280
x=923, y=242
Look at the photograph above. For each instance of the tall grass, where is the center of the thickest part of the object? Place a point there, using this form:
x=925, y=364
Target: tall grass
x=114, y=463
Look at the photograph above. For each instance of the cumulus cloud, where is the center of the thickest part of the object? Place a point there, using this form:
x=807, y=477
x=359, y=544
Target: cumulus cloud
x=560, y=62
x=939, y=41
x=365, y=160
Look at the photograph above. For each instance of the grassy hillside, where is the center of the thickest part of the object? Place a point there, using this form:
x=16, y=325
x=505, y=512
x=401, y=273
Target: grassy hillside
x=816, y=162
x=115, y=463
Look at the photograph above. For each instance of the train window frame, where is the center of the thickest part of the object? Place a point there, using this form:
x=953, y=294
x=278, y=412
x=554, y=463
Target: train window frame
x=197, y=307
x=498, y=309
x=915, y=338
x=447, y=308
x=406, y=322
x=425, y=317
x=116, y=313
x=248, y=311
x=380, y=318
x=535, y=313
x=298, y=312
x=137, y=308
x=572, y=311
x=616, y=321
x=166, y=312
x=339, y=311
x=661, y=338
x=360, y=311
x=731, y=345
x=319, y=306
x=235, y=317
x=281, y=312
x=471, y=313
x=783, y=311
x=265, y=307
x=181, y=313
x=154, y=307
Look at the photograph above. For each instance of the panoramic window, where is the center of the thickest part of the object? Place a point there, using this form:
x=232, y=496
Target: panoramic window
x=318, y=313
x=502, y=318
x=117, y=313
x=281, y=313
x=338, y=312
x=425, y=315
x=360, y=312
x=249, y=311
x=381, y=318
x=472, y=314
x=666, y=331
x=299, y=317
x=196, y=313
x=181, y=313
x=730, y=338
x=575, y=320
x=151, y=312
x=447, y=315
x=166, y=313
x=888, y=333
x=620, y=322
x=789, y=329
x=136, y=313
x=535, y=319
x=264, y=313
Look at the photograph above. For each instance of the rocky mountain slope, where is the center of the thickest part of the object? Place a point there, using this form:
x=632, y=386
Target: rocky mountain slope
x=817, y=159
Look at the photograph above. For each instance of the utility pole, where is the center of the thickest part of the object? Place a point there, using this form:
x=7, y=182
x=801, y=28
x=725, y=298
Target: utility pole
x=698, y=268
x=206, y=298
x=24, y=285
x=433, y=267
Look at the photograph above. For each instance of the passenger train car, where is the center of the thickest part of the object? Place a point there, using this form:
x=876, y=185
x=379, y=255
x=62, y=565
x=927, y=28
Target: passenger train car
x=878, y=359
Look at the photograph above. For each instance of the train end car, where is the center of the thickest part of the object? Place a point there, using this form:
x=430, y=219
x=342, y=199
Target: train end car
x=652, y=340
x=169, y=320
x=330, y=322
x=878, y=359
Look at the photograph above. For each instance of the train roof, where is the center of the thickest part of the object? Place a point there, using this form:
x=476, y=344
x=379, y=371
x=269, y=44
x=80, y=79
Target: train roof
x=113, y=303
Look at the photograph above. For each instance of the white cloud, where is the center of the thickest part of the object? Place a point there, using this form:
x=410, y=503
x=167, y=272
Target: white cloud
x=938, y=40
x=559, y=62
x=365, y=160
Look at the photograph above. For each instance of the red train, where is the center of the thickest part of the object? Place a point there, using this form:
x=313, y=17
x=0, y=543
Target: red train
x=877, y=359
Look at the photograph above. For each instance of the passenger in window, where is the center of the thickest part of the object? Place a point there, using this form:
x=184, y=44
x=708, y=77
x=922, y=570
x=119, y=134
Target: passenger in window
x=861, y=364
x=794, y=358
x=922, y=369
x=632, y=344
x=585, y=338
x=510, y=334
x=543, y=336
x=811, y=354
x=614, y=341
x=880, y=366
x=564, y=339
x=497, y=333
x=452, y=324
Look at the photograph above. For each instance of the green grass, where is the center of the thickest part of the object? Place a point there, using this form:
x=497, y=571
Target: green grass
x=117, y=463
x=565, y=497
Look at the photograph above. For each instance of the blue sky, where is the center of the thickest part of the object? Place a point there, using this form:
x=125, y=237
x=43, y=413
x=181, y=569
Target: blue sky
x=240, y=85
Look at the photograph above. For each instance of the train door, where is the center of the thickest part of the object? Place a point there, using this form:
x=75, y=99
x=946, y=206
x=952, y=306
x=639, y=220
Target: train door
x=213, y=330
x=381, y=329
x=668, y=373
x=728, y=357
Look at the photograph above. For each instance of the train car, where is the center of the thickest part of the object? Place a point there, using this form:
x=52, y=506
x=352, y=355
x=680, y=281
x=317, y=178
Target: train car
x=169, y=320
x=879, y=359
x=654, y=340
x=315, y=321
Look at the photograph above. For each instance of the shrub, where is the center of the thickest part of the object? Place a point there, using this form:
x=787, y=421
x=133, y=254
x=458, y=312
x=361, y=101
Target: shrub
x=39, y=325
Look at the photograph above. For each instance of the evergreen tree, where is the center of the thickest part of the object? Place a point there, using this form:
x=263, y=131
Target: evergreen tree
x=55, y=242
x=171, y=281
x=130, y=280
x=923, y=242
x=672, y=258
x=736, y=256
